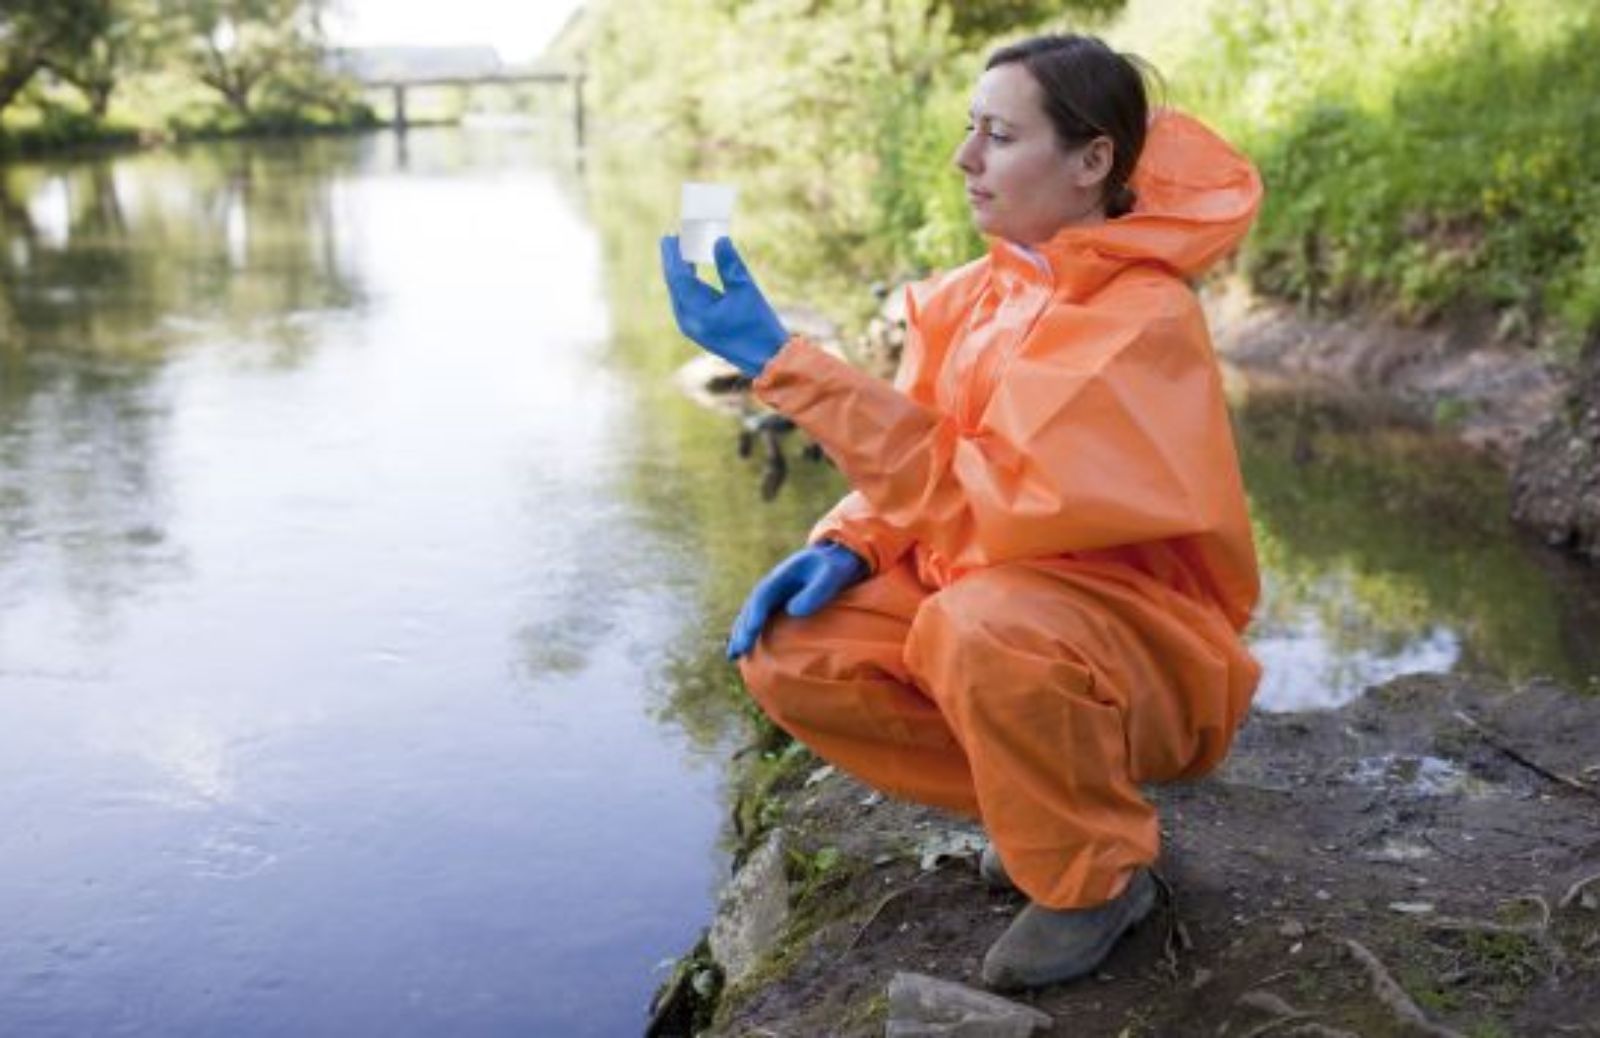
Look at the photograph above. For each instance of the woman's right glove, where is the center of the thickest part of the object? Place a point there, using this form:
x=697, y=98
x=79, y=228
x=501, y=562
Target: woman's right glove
x=803, y=583
x=737, y=323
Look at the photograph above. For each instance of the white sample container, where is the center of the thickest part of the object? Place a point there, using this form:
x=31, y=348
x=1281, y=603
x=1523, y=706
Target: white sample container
x=705, y=216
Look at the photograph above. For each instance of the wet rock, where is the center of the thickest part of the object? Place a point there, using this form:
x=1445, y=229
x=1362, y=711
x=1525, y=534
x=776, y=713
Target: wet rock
x=880, y=346
x=927, y=1007
x=1555, y=481
x=753, y=911
x=715, y=384
x=813, y=324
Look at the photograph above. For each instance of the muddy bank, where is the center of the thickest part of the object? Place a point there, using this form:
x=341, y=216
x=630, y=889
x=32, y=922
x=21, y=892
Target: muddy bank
x=1539, y=418
x=1441, y=832
x=1491, y=391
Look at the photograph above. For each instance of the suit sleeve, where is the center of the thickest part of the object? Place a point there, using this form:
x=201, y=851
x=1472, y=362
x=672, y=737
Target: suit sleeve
x=1105, y=440
x=854, y=522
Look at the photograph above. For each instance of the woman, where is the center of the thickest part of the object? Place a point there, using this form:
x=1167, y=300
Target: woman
x=1032, y=600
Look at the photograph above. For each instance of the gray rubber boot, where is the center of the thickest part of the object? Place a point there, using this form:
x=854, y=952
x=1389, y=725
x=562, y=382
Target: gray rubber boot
x=1049, y=945
x=993, y=870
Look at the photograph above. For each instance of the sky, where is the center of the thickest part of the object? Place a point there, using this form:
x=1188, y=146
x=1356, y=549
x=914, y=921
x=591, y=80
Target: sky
x=519, y=29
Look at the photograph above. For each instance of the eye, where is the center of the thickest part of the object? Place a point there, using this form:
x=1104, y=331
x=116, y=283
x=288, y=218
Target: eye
x=998, y=136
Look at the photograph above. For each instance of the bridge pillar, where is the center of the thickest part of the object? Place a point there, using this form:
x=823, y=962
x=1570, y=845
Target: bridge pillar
x=577, y=107
x=400, y=107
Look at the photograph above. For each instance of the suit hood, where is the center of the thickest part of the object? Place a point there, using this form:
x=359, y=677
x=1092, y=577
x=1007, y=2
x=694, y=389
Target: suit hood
x=1197, y=196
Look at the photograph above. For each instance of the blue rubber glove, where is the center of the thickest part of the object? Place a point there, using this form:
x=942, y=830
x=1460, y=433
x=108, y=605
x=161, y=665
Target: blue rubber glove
x=803, y=583
x=737, y=324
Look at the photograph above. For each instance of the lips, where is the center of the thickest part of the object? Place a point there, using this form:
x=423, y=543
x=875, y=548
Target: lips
x=976, y=196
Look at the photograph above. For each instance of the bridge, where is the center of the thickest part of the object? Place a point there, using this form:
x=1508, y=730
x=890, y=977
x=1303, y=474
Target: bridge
x=398, y=88
x=400, y=69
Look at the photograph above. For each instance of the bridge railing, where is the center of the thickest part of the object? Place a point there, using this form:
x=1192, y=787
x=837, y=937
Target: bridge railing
x=399, y=86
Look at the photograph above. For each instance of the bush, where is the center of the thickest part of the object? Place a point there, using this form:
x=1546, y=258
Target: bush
x=1419, y=159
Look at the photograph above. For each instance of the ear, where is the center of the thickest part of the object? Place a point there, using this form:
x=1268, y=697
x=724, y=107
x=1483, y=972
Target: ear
x=1094, y=162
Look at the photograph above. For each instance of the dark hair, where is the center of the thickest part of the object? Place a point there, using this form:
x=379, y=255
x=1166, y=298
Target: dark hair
x=1090, y=91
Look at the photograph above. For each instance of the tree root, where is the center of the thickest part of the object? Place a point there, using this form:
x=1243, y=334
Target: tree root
x=1176, y=939
x=1393, y=996
x=1576, y=890
x=1523, y=759
x=885, y=902
x=1283, y=1013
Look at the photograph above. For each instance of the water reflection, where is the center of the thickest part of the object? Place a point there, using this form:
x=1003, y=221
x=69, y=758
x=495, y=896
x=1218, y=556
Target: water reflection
x=110, y=266
x=327, y=631
x=1386, y=549
x=122, y=257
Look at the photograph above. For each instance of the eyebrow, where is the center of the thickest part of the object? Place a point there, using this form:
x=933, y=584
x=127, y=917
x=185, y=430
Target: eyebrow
x=972, y=113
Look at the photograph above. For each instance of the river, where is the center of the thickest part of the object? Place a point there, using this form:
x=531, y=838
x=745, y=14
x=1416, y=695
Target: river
x=363, y=577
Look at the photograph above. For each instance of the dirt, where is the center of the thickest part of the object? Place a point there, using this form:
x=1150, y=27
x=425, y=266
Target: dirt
x=1490, y=387
x=1445, y=825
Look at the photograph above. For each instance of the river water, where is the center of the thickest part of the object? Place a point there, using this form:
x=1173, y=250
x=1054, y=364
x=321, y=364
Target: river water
x=362, y=580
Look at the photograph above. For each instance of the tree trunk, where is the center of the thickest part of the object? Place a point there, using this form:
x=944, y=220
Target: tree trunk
x=238, y=96
x=234, y=87
x=100, y=99
x=13, y=80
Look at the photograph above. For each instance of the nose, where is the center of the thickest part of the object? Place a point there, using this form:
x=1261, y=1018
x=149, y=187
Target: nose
x=967, y=154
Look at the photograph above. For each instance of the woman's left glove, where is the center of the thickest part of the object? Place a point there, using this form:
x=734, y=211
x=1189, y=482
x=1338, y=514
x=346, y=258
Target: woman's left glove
x=801, y=584
x=737, y=324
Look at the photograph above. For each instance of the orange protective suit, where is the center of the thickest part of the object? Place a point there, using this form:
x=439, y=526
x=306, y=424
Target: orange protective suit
x=1050, y=501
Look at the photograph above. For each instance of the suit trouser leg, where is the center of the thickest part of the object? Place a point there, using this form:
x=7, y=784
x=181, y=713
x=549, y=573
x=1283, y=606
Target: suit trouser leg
x=1035, y=695
x=838, y=682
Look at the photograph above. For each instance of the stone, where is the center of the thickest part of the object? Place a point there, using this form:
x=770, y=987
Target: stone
x=753, y=910
x=921, y=1006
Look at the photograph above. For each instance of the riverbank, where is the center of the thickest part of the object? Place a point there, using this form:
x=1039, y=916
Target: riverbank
x=75, y=137
x=1424, y=860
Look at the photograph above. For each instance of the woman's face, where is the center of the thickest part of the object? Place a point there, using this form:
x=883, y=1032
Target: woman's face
x=1022, y=184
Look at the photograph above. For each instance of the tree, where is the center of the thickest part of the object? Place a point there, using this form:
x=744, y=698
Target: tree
x=974, y=21
x=236, y=46
x=32, y=30
x=131, y=36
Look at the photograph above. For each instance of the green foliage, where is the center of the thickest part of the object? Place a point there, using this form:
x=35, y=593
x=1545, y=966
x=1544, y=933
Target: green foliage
x=262, y=62
x=1420, y=157
x=980, y=22
x=127, y=37
x=241, y=47
x=58, y=129
x=841, y=120
x=1423, y=158
x=34, y=31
